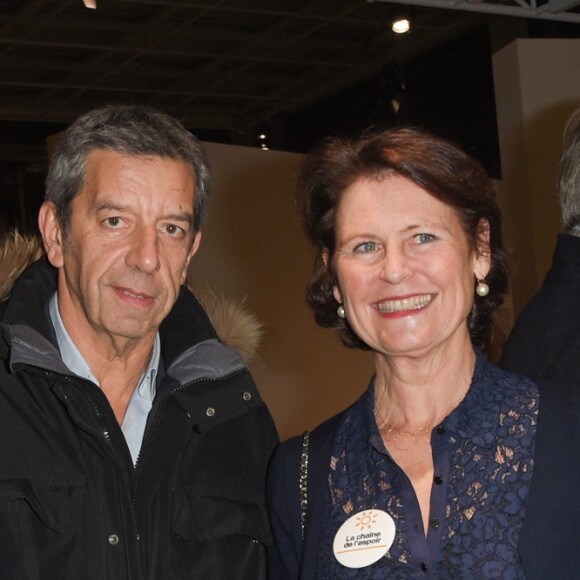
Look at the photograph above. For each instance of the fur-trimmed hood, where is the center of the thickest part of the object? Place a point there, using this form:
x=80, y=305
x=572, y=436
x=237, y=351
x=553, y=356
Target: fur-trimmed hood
x=235, y=326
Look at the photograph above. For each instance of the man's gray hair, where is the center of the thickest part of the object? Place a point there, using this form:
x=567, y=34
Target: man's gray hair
x=130, y=130
x=569, y=176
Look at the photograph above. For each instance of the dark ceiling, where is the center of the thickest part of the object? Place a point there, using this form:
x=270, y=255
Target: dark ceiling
x=221, y=64
x=229, y=68
x=223, y=67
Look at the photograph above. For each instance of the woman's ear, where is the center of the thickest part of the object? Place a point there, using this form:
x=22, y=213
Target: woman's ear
x=51, y=232
x=326, y=258
x=326, y=262
x=482, y=250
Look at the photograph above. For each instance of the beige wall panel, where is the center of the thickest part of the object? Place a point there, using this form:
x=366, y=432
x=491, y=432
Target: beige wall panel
x=537, y=86
x=254, y=250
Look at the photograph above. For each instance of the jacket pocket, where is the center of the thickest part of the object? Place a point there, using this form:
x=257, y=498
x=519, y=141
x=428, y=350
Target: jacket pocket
x=203, y=517
x=217, y=537
x=40, y=521
x=52, y=500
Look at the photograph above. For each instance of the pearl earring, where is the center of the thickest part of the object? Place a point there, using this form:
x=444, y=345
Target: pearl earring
x=482, y=288
x=340, y=311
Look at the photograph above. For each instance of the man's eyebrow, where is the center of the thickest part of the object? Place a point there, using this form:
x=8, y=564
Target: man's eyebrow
x=182, y=217
x=106, y=205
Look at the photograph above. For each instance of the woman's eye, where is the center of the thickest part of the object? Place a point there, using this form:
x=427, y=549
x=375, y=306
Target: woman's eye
x=366, y=247
x=424, y=238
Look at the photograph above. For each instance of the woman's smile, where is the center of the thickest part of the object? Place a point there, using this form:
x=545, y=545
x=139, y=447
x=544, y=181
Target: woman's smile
x=402, y=305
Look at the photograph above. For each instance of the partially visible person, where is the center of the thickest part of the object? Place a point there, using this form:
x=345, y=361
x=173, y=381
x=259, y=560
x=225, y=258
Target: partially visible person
x=134, y=443
x=428, y=474
x=545, y=341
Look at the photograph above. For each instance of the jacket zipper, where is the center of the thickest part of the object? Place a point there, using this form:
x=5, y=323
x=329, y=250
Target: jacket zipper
x=99, y=416
x=155, y=423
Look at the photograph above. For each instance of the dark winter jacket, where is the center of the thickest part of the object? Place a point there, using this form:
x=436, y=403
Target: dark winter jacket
x=545, y=341
x=73, y=506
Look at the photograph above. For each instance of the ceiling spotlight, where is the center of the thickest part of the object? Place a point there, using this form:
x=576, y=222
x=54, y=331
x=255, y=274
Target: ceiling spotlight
x=401, y=25
x=92, y=4
x=401, y=20
x=263, y=140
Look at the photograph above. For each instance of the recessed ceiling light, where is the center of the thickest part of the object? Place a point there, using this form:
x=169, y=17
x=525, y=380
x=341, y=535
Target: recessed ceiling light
x=401, y=25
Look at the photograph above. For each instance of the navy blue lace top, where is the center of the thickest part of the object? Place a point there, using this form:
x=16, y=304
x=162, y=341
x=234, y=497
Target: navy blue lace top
x=483, y=456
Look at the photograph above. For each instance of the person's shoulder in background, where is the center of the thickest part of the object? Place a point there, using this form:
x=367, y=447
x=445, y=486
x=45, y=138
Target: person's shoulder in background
x=550, y=535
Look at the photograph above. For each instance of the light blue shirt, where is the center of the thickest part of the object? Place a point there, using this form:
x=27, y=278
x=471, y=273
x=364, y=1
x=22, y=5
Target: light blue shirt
x=141, y=401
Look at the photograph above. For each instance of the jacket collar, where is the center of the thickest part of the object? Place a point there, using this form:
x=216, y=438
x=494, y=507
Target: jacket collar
x=235, y=326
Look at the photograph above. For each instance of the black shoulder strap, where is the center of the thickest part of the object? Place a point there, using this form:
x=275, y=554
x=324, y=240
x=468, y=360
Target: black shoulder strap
x=303, y=485
x=316, y=452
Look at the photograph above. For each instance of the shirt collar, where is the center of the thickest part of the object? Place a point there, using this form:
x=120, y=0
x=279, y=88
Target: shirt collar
x=74, y=360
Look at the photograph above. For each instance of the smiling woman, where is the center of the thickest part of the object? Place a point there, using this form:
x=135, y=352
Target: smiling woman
x=443, y=171
x=404, y=267
x=408, y=234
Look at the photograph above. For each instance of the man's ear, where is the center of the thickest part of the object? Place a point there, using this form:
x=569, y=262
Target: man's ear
x=51, y=232
x=192, y=252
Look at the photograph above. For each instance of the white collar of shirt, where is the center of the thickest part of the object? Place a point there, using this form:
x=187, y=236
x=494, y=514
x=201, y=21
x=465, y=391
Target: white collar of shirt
x=74, y=360
x=141, y=401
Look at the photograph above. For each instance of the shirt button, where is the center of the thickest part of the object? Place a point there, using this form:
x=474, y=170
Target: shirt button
x=210, y=412
x=247, y=396
x=438, y=480
x=113, y=539
x=424, y=567
x=440, y=430
x=434, y=523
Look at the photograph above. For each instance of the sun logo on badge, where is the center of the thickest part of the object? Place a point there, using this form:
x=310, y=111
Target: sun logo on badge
x=366, y=520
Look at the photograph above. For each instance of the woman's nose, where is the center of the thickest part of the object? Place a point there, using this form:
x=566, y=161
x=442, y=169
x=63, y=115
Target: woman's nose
x=395, y=266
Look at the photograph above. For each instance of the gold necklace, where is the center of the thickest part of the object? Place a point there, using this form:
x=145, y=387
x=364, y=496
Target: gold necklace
x=403, y=439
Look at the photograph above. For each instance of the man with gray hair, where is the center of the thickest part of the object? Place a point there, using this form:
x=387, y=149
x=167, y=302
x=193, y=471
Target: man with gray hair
x=545, y=341
x=134, y=443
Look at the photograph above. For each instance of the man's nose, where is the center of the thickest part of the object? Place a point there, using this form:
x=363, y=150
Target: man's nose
x=144, y=251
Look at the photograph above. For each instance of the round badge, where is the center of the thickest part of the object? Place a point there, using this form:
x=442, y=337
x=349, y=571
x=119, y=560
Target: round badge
x=364, y=538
